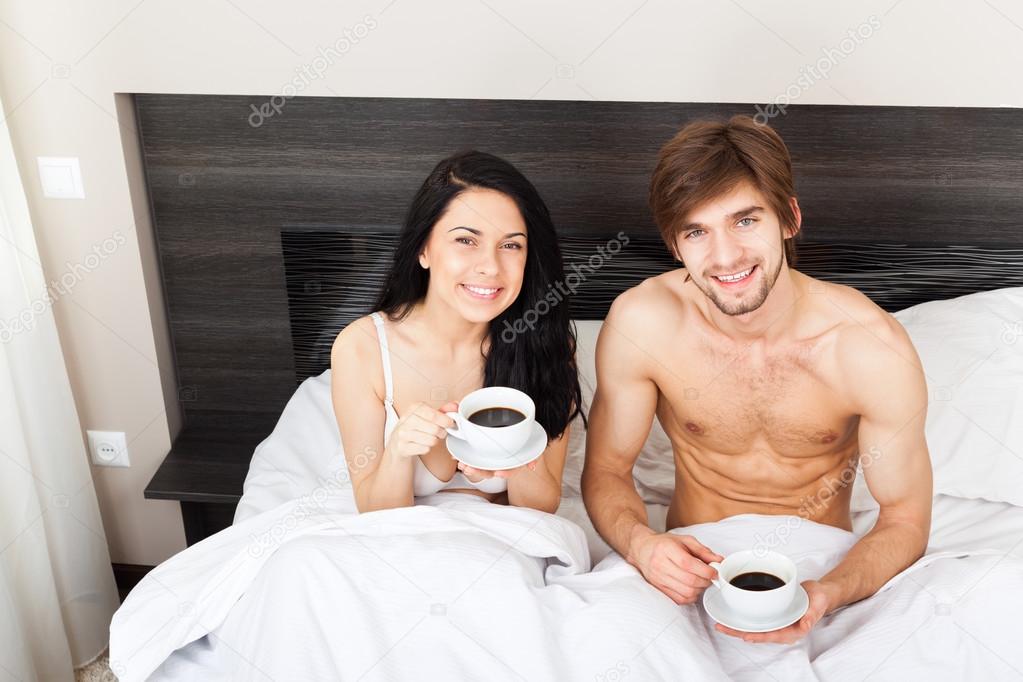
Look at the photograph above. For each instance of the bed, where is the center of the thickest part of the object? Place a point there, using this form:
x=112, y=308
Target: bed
x=273, y=240
x=461, y=589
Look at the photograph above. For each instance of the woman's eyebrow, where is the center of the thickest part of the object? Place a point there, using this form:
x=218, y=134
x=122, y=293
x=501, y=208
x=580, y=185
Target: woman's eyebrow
x=478, y=233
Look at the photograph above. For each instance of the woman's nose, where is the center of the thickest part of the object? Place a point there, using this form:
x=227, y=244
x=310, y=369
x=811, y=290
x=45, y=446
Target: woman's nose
x=486, y=264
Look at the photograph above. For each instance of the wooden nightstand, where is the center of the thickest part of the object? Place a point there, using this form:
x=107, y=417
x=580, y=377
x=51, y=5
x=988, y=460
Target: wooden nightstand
x=206, y=467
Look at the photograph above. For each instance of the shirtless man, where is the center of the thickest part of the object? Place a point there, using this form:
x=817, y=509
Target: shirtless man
x=769, y=383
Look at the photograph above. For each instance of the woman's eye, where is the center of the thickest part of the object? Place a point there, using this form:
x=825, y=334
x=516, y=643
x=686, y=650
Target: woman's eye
x=464, y=240
x=513, y=245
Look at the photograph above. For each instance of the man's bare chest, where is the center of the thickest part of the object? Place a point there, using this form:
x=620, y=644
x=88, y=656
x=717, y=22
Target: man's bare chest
x=788, y=401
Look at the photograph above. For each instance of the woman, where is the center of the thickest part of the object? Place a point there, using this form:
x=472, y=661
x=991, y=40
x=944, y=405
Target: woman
x=330, y=595
x=478, y=249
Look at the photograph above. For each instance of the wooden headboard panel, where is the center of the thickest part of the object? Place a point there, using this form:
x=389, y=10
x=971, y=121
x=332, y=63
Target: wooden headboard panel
x=906, y=203
x=334, y=274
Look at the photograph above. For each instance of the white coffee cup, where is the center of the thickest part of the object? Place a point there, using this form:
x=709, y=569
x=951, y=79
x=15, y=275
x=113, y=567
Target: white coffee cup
x=494, y=440
x=756, y=605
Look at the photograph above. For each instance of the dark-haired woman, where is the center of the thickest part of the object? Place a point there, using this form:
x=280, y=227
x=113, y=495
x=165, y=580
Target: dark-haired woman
x=477, y=252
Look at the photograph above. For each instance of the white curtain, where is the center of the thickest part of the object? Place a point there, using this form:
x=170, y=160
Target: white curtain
x=57, y=590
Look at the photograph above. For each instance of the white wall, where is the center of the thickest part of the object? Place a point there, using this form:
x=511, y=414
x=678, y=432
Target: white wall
x=62, y=62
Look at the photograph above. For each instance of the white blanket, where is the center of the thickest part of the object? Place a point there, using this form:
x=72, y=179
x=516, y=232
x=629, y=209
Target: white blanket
x=463, y=589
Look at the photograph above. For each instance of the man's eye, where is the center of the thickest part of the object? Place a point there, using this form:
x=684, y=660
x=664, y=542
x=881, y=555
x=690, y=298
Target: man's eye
x=693, y=233
x=746, y=222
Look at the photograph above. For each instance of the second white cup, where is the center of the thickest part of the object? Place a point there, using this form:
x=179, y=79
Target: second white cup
x=758, y=605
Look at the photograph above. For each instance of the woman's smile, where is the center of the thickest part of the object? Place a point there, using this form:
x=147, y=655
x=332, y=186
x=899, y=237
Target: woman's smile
x=481, y=293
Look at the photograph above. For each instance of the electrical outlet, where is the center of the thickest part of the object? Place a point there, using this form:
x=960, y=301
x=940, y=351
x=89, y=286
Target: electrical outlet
x=108, y=448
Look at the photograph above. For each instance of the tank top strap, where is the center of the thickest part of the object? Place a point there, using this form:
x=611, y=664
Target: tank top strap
x=385, y=356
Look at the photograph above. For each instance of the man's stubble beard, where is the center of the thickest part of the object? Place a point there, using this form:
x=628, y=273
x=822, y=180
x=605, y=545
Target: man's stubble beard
x=744, y=306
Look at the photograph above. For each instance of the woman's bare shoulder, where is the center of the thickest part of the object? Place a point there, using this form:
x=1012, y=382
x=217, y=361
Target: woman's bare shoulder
x=356, y=346
x=355, y=358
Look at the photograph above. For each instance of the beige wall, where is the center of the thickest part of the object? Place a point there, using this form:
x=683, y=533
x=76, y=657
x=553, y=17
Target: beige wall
x=61, y=63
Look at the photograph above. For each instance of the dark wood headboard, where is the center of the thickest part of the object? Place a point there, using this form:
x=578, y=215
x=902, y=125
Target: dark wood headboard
x=334, y=273
x=256, y=225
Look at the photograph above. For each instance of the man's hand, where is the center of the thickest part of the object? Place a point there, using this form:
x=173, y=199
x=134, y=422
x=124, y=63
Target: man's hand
x=821, y=600
x=674, y=564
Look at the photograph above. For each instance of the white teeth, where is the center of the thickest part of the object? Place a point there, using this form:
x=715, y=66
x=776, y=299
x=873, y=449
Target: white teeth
x=736, y=277
x=479, y=290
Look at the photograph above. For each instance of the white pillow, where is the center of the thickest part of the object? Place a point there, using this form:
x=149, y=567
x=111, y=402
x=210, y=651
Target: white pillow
x=302, y=456
x=655, y=468
x=971, y=349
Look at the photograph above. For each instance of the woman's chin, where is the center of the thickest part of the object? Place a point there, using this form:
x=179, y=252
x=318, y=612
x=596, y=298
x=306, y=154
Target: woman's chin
x=479, y=309
x=480, y=314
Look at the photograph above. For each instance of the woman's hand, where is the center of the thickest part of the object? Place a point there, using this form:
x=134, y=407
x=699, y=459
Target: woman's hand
x=476, y=475
x=420, y=430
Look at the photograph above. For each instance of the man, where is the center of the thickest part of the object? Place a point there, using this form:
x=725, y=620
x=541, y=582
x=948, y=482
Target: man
x=768, y=382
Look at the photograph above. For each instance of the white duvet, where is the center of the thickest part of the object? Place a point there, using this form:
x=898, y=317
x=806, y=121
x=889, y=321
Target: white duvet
x=460, y=589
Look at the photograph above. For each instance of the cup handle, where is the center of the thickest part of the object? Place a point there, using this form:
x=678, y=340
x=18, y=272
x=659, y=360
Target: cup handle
x=718, y=581
x=457, y=433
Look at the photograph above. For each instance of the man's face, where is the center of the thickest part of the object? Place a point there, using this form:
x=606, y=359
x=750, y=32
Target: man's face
x=733, y=248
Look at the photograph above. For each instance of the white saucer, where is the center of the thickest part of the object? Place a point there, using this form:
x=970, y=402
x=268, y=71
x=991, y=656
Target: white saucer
x=719, y=610
x=533, y=448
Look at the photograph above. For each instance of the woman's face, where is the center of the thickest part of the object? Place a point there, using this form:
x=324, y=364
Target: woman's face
x=476, y=254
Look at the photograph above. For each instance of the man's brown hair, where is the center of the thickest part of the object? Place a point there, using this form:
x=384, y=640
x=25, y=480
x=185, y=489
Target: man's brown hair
x=707, y=159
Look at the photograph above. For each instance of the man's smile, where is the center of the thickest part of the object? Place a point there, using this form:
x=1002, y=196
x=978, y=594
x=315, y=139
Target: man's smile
x=736, y=279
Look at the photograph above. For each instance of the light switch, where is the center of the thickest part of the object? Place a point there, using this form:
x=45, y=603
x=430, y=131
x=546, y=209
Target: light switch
x=61, y=177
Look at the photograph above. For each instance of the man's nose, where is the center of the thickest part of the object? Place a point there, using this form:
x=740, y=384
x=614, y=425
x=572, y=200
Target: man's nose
x=725, y=251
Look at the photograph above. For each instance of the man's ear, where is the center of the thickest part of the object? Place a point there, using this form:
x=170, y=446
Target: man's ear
x=797, y=219
x=673, y=250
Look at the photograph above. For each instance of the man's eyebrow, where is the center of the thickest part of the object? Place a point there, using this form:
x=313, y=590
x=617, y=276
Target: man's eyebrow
x=478, y=233
x=730, y=216
x=745, y=211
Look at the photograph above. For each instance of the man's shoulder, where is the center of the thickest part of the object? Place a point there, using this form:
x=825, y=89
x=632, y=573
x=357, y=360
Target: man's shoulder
x=857, y=316
x=655, y=299
x=869, y=341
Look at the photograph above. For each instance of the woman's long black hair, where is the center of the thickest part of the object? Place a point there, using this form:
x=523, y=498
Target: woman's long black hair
x=539, y=358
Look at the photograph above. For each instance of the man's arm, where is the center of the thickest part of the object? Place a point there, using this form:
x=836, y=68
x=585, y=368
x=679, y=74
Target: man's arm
x=620, y=417
x=886, y=382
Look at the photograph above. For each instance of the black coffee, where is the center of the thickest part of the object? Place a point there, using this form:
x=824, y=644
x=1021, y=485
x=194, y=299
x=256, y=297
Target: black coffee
x=755, y=581
x=496, y=416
